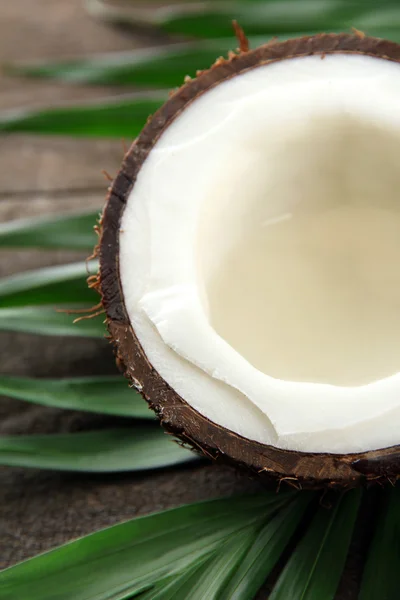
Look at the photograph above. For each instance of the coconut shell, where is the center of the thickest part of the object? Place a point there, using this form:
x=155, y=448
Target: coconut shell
x=177, y=416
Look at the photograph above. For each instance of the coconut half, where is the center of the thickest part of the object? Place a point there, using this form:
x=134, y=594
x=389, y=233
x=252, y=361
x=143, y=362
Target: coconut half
x=249, y=260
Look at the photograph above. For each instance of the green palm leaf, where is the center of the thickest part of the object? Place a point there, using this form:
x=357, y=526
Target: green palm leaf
x=238, y=568
x=23, y=300
x=126, y=559
x=380, y=577
x=265, y=551
x=107, y=451
x=276, y=18
x=314, y=569
x=61, y=285
x=179, y=587
x=44, y=320
x=106, y=395
x=73, y=232
x=160, y=66
x=120, y=118
x=213, y=18
x=211, y=578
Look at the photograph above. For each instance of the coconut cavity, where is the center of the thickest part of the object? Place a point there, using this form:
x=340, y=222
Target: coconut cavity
x=311, y=292
x=259, y=250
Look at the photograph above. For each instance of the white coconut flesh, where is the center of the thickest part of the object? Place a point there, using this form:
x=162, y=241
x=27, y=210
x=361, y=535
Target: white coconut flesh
x=260, y=254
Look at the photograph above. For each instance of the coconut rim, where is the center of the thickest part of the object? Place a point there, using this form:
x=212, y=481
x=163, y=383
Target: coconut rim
x=177, y=416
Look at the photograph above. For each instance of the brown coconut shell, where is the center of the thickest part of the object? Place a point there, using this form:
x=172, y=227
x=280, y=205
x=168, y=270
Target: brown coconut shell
x=299, y=469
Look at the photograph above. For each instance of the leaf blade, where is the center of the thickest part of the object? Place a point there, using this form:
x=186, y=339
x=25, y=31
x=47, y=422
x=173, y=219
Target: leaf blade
x=267, y=16
x=315, y=567
x=120, y=118
x=102, y=394
x=106, y=451
x=44, y=320
x=266, y=550
x=71, y=232
x=208, y=579
x=60, y=285
x=380, y=576
x=213, y=580
x=171, y=587
x=160, y=66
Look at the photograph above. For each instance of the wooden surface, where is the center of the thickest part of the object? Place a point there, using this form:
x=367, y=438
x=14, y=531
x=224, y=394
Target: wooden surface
x=39, y=510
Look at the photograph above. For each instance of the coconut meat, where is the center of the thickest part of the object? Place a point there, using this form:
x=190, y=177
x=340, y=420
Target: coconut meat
x=260, y=252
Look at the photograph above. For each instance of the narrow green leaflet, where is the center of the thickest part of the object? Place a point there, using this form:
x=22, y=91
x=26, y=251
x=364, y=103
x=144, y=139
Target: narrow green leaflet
x=73, y=232
x=268, y=20
x=160, y=66
x=238, y=568
x=172, y=588
x=107, y=395
x=61, y=285
x=23, y=300
x=210, y=579
x=266, y=550
x=45, y=320
x=315, y=567
x=121, y=118
x=260, y=17
x=107, y=451
x=119, y=562
x=381, y=572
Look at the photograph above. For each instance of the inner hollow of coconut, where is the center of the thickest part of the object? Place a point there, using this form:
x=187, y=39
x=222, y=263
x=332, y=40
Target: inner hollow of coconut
x=260, y=254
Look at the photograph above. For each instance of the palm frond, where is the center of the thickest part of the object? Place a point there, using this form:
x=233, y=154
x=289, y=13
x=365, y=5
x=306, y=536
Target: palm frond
x=160, y=66
x=110, y=395
x=119, y=118
x=45, y=320
x=41, y=300
x=71, y=232
x=62, y=285
x=314, y=569
x=265, y=551
x=211, y=578
x=381, y=572
x=107, y=451
x=213, y=18
x=178, y=587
